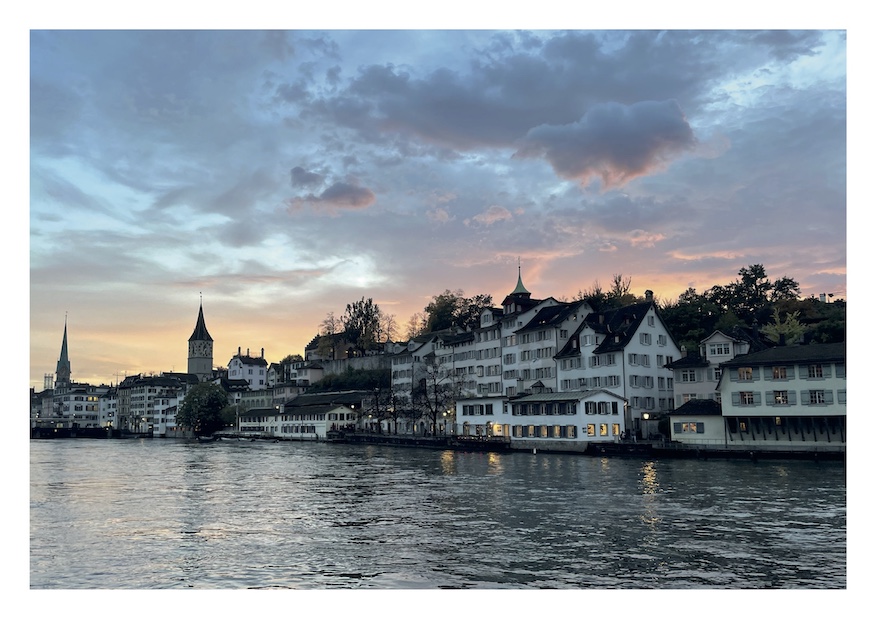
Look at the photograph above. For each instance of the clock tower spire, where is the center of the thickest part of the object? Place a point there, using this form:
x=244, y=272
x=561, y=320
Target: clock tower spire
x=201, y=349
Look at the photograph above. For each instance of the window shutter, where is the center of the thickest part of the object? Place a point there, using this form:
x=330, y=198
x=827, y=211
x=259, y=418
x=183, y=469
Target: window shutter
x=826, y=370
x=736, y=398
x=840, y=370
x=804, y=397
x=677, y=427
x=790, y=371
x=792, y=397
x=755, y=373
x=841, y=396
x=828, y=396
x=756, y=398
x=770, y=398
x=701, y=428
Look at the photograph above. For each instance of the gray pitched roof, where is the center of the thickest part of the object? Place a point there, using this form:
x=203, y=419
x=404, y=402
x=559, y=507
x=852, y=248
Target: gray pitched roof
x=815, y=353
x=200, y=333
x=698, y=407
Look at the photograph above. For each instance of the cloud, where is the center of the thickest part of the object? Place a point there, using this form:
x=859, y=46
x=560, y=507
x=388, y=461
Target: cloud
x=491, y=215
x=303, y=178
x=340, y=195
x=439, y=215
x=612, y=142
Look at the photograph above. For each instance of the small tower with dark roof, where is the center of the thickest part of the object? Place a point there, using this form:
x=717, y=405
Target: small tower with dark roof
x=201, y=349
x=62, y=371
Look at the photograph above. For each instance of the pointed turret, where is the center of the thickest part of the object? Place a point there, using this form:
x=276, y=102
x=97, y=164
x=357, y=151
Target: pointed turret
x=200, y=334
x=520, y=289
x=62, y=371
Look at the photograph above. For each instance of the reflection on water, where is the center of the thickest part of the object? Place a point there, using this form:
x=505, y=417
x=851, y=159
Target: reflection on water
x=168, y=514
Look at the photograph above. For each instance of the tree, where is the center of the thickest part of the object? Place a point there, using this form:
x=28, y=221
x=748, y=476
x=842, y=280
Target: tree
x=441, y=312
x=361, y=321
x=595, y=296
x=353, y=380
x=387, y=328
x=751, y=296
x=436, y=393
x=416, y=325
x=618, y=295
x=468, y=315
x=691, y=319
x=454, y=309
x=783, y=332
x=201, y=409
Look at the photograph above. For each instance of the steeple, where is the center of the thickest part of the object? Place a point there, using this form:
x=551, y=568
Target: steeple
x=520, y=289
x=201, y=349
x=62, y=371
x=200, y=334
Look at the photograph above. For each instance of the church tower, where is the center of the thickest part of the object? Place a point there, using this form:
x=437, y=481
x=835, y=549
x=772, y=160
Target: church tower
x=201, y=349
x=62, y=370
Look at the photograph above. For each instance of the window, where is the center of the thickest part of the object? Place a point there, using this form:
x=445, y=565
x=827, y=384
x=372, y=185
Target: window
x=645, y=339
x=591, y=429
x=780, y=373
x=780, y=397
x=746, y=398
x=688, y=376
x=661, y=340
x=615, y=429
x=719, y=349
x=816, y=371
x=603, y=429
x=744, y=373
x=817, y=397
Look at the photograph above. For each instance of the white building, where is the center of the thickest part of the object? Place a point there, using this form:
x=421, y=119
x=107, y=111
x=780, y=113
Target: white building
x=548, y=420
x=304, y=417
x=790, y=398
x=549, y=346
x=253, y=370
x=696, y=374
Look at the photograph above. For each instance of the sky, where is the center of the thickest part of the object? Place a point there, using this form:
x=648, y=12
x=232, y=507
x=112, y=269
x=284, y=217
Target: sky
x=276, y=176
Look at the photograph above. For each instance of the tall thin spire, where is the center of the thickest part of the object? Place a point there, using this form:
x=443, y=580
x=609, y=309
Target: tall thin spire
x=200, y=333
x=62, y=370
x=520, y=289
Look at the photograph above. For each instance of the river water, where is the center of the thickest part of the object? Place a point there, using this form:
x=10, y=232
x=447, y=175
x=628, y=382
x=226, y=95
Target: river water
x=168, y=514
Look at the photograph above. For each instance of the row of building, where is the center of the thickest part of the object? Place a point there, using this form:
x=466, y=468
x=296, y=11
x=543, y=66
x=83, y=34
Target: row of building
x=538, y=373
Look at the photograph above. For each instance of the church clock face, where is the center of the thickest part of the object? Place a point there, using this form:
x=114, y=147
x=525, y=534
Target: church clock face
x=201, y=349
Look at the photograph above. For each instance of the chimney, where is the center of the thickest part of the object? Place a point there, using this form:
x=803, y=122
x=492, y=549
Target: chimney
x=247, y=352
x=822, y=297
x=238, y=351
x=263, y=353
x=649, y=295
